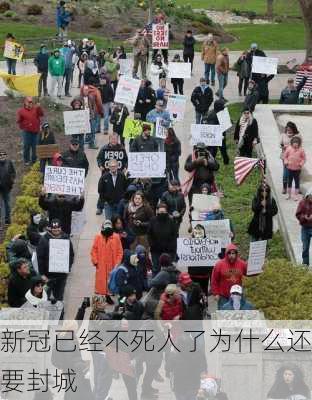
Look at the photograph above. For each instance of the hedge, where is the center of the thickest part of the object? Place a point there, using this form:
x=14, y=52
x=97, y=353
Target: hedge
x=25, y=203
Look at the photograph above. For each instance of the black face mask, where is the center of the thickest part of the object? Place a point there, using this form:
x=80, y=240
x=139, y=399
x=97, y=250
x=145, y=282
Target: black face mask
x=107, y=232
x=162, y=217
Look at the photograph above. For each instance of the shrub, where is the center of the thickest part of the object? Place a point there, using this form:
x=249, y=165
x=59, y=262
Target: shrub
x=34, y=9
x=97, y=24
x=4, y=6
x=10, y=14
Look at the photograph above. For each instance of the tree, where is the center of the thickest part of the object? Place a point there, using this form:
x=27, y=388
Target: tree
x=306, y=8
x=270, y=8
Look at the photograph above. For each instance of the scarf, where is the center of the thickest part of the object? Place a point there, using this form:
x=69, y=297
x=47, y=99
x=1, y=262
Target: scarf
x=188, y=183
x=243, y=124
x=35, y=301
x=133, y=208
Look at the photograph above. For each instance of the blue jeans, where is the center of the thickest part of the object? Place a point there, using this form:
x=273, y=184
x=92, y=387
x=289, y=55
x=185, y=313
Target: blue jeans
x=7, y=207
x=106, y=112
x=223, y=79
x=210, y=69
x=30, y=141
x=98, y=123
x=198, y=117
x=67, y=76
x=11, y=64
x=109, y=210
x=306, y=234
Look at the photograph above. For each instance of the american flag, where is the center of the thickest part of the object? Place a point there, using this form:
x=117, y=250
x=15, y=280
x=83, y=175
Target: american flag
x=308, y=85
x=243, y=167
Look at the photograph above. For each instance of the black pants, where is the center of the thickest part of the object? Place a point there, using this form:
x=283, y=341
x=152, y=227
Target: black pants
x=42, y=84
x=293, y=175
x=131, y=386
x=263, y=99
x=164, y=53
x=241, y=82
x=189, y=58
x=177, y=86
x=56, y=287
x=223, y=151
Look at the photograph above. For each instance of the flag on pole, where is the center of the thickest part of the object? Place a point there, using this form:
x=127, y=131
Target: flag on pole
x=25, y=84
x=243, y=167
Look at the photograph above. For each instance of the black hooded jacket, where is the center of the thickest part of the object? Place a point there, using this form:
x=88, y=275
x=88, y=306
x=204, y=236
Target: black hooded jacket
x=7, y=176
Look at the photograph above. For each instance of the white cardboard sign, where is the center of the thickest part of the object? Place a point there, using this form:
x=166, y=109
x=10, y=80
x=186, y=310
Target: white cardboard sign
x=198, y=252
x=256, y=258
x=210, y=135
x=179, y=70
x=127, y=90
x=126, y=66
x=160, y=130
x=160, y=36
x=63, y=180
x=264, y=65
x=77, y=122
x=147, y=165
x=224, y=119
x=216, y=229
x=176, y=106
x=59, y=255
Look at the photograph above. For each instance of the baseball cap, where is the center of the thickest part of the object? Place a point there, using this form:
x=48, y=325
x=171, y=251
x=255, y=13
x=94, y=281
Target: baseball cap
x=253, y=46
x=74, y=140
x=107, y=224
x=55, y=224
x=236, y=289
x=185, y=278
x=45, y=125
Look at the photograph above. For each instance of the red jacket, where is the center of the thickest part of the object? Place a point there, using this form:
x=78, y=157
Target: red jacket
x=225, y=275
x=304, y=209
x=29, y=120
x=170, y=311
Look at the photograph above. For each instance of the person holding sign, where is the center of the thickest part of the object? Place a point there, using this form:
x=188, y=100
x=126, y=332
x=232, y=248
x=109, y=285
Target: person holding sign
x=11, y=62
x=146, y=99
x=227, y=272
x=56, y=281
x=158, y=71
x=75, y=157
x=118, y=118
x=202, y=98
x=262, y=82
x=177, y=83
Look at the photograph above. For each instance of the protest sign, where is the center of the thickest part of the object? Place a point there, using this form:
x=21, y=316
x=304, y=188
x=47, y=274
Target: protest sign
x=147, y=165
x=47, y=150
x=256, y=257
x=264, y=65
x=13, y=50
x=126, y=66
x=134, y=128
x=59, y=255
x=160, y=130
x=210, y=135
x=79, y=219
x=216, y=229
x=203, y=204
x=224, y=119
x=77, y=122
x=63, y=180
x=176, y=106
x=127, y=90
x=198, y=252
x=179, y=70
x=160, y=36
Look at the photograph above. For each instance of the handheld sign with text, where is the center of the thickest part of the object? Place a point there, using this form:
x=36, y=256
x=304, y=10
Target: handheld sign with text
x=77, y=122
x=224, y=119
x=63, y=180
x=126, y=66
x=202, y=204
x=46, y=150
x=256, y=258
x=160, y=36
x=13, y=50
x=127, y=90
x=216, y=229
x=134, y=128
x=198, y=252
x=160, y=130
x=147, y=165
x=264, y=65
x=210, y=135
x=59, y=256
x=179, y=70
x=176, y=106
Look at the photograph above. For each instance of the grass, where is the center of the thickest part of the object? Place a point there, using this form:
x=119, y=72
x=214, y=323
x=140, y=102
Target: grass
x=281, y=7
x=237, y=200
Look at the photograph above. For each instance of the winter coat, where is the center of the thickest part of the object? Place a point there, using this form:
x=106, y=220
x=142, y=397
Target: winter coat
x=41, y=61
x=262, y=85
x=202, y=173
x=111, y=68
x=110, y=152
x=118, y=119
x=169, y=311
x=209, y=52
x=107, y=93
x=162, y=235
x=68, y=53
x=7, y=176
x=291, y=96
x=110, y=193
x=29, y=120
x=131, y=311
x=106, y=253
x=43, y=255
x=244, y=305
x=76, y=159
x=226, y=274
x=202, y=100
x=89, y=78
x=294, y=159
x=173, y=152
x=250, y=54
x=140, y=144
x=17, y=288
x=243, y=68
x=251, y=99
x=141, y=105
x=222, y=64
x=251, y=133
x=304, y=208
x=134, y=276
x=56, y=66
x=17, y=249
x=61, y=209
x=143, y=214
x=192, y=304
x=263, y=230
x=188, y=46
x=140, y=46
x=174, y=202
x=166, y=276
x=94, y=101
x=154, y=114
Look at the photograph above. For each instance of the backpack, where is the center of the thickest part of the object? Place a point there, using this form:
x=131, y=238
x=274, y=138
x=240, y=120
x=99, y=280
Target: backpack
x=113, y=279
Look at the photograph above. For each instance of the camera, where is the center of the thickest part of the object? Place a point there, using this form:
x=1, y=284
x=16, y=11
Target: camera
x=202, y=154
x=86, y=302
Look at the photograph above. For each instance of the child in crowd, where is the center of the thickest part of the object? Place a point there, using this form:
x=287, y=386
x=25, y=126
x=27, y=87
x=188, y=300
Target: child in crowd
x=294, y=159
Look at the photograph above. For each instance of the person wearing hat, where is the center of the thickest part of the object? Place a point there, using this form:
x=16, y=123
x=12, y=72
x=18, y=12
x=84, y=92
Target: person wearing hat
x=170, y=305
x=246, y=133
x=131, y=275
x=201, y=98
x=177, y=83
x=252, y=96
x=159, y=112
x=20, y=282
x=29, y=120
x=175, y=202
x=188, y=48
x=222, y=68
x=46, y=137
x=16, y=249
x=290, y=95
x=237, y=300
x=67, y=52
x=75, y=157
x=209, y=56
x=304, y=216
x=56, y=281
x=7, y=179
x=140, y=53
x=36, y=294
x=41, y=61
x=192, y=297
x=56, y=66
x=144, y=142
x=106, y=254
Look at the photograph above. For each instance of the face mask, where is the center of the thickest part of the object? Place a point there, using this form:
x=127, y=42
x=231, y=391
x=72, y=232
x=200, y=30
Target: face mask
x=107, y=232
x=44, y=51
x=236, y=298
x=203, y=86
x=36, y=218
x=162, y=216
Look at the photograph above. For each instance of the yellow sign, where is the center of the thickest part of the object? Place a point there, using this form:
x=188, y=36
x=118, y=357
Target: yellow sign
x=25, y=84
x=13, y=50
x=134, y=128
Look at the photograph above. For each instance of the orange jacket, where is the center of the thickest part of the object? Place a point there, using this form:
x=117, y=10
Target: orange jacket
x=98, y=100
x=105, y=255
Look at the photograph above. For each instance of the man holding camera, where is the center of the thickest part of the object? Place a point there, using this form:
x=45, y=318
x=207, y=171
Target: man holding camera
x=201, y=165
x=140, y=52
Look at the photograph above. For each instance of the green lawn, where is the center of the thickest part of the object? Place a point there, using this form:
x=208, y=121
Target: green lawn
x=281, y=7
